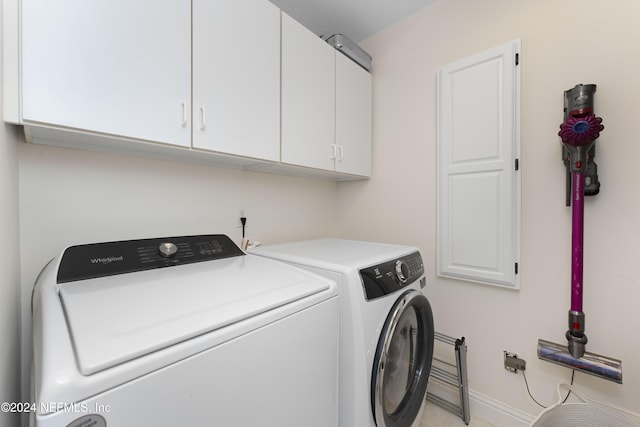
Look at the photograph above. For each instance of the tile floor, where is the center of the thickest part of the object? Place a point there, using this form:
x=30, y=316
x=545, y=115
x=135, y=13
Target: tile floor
x=435, y=416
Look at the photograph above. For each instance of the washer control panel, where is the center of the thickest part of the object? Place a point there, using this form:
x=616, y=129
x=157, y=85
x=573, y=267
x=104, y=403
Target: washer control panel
x=110, y=258
x=388, y=277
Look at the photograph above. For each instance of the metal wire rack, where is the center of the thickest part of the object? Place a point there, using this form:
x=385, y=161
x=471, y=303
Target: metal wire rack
x=454, y=375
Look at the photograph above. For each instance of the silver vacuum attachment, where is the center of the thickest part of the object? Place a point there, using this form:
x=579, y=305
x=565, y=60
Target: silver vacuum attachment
x=590, y=363
x=576, y=338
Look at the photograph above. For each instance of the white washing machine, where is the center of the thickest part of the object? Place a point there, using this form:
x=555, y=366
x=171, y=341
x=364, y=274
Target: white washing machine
x=387, y=328
x=216, y=337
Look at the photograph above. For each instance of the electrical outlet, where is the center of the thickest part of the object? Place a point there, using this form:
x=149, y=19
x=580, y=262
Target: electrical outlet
x=242, y=214
x=512, y=362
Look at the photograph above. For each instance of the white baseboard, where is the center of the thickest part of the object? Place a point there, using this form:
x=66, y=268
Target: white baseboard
x=484, y=407
x=496, y=412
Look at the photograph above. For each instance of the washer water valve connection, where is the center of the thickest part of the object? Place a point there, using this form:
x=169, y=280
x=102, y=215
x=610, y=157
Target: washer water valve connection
x=513, y=363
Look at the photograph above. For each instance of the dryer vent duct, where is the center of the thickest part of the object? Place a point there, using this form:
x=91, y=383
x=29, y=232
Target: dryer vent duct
x=351, y=50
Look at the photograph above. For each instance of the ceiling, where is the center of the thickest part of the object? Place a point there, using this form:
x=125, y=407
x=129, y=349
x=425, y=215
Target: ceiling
x=356, y=19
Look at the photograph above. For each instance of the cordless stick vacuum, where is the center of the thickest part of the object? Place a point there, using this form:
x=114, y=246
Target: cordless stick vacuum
x=579, y=132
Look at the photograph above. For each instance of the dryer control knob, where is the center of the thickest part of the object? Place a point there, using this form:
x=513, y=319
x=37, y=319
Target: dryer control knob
x=402, y=271
x=167, y=249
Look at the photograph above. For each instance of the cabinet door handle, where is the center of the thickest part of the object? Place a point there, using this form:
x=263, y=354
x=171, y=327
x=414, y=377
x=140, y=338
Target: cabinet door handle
x=334, y=151
x=203, y=119
x=341, y=151
x=183, y=123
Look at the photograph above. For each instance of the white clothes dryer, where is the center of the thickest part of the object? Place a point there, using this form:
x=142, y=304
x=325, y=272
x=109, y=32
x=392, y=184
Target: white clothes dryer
x=182, y=331
x=387, y=327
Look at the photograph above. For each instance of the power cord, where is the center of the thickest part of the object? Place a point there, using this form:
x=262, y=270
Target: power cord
x=243, y=221
x=573, y=374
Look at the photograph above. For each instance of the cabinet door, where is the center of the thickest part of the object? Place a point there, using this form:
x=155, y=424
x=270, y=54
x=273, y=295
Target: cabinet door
x=119, y=67
x=308, y=98
x=236, y=77
x=353, y=117
x=478, y=177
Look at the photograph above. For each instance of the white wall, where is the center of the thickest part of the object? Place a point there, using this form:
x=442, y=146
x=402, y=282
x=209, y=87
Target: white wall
x=9, y=274
x=563, y=44
x=70, y=196
x=9, y=270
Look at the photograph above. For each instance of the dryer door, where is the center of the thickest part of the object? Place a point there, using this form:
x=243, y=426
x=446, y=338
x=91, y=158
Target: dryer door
x=403, y=362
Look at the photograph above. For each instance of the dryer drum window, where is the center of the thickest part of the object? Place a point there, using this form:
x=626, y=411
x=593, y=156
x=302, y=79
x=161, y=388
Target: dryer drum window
x=403, y=361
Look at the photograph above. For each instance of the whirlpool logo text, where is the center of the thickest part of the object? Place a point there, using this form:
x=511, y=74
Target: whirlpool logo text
x=107, y=260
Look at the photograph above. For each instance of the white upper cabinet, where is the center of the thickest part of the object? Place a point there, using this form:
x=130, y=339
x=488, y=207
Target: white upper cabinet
x=236, y=77
x=227, y=82
x=353, y=117
x=308, y=98
x=116, y=67
x=326, y=105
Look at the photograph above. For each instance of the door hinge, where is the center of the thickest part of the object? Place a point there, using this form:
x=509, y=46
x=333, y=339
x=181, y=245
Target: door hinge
x=517, y=164
x=517, y=59
x=516, y=268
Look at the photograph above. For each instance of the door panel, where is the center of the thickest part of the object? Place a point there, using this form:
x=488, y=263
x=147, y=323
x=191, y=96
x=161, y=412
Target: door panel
x=308, y=98
x=353, y=117
x=236, y=77
x=478, y=182
x=108, y=67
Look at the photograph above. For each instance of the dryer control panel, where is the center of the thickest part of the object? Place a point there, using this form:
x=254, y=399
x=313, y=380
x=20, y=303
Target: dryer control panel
x=388, y=277
x=127, y=256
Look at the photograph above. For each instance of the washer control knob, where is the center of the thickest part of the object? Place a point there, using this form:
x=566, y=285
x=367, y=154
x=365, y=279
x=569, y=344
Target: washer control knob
x=167, y=249
x=402, y=271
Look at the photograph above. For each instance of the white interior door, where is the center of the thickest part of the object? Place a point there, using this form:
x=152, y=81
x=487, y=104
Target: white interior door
x=478, y=177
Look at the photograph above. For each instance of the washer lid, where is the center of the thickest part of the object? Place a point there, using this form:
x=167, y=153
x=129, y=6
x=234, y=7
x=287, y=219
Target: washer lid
x=118, y=318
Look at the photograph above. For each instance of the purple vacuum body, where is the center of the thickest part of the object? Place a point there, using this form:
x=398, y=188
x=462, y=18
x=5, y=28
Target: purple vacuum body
x=578, y=133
